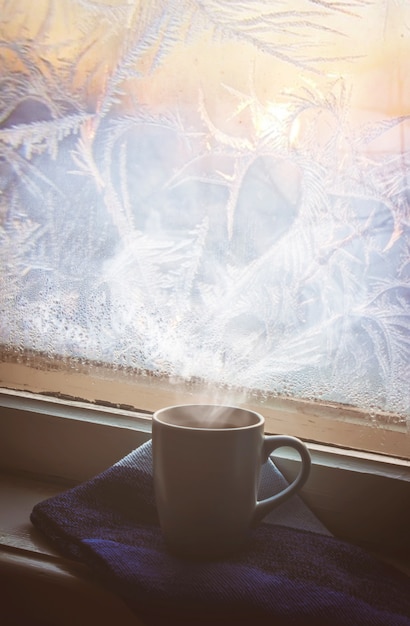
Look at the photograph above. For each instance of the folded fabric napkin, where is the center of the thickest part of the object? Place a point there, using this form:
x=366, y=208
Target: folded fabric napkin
x=292, y=571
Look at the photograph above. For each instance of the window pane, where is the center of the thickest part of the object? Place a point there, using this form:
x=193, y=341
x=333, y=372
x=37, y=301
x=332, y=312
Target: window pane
x=214, y=190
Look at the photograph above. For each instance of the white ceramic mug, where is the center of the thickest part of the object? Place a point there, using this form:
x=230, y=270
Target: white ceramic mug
x=206, y=465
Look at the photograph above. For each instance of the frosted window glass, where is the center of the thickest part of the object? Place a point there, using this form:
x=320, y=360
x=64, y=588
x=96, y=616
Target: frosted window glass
x=214, y=190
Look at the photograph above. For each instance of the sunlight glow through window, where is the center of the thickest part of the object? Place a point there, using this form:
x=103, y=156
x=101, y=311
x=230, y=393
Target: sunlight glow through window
x=215, y=190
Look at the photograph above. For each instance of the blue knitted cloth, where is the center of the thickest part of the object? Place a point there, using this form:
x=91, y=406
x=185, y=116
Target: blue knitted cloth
x=292, y=571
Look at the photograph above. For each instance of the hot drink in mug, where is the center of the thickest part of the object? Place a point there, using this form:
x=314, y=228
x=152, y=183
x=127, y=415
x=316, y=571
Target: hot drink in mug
x=206, y=464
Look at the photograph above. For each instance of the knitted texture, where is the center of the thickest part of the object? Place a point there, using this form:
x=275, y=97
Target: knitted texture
x=286, y=574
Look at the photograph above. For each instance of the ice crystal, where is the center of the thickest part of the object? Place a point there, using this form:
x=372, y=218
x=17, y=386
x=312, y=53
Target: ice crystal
x=184, y=189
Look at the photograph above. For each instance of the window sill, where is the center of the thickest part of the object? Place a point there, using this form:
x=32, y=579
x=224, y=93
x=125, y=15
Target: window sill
x=56, y=590
x=46, y=446
x=39, y=586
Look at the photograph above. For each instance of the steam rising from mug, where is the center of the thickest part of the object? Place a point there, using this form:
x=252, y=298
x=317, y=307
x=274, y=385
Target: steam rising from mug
x=206, y=416
x=206, y=462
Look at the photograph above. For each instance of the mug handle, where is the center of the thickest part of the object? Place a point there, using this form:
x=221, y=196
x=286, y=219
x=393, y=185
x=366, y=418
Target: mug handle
x=271, y=443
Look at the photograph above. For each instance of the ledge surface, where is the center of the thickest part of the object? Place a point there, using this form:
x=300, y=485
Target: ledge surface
x=56, y=590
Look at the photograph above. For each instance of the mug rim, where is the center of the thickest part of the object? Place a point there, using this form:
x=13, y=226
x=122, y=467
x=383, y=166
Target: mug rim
x=259, y=419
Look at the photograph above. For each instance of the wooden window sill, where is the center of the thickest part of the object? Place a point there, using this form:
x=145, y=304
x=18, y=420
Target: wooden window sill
x=42, y=588
x=39, y=586
x=46, y=446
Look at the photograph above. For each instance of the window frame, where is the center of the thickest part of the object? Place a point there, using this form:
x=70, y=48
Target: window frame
x=98, y=384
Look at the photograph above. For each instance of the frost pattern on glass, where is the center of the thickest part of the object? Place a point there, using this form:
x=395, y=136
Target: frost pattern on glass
x=211, y=189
